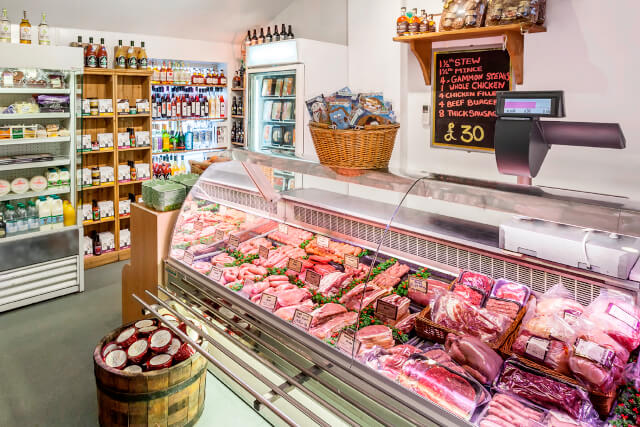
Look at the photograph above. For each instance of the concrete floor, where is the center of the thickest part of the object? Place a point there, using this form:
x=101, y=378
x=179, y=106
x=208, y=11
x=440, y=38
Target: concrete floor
x=46, y=365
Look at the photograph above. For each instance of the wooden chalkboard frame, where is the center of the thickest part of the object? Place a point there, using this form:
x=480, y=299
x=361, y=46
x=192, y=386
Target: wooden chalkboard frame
x=434, y=62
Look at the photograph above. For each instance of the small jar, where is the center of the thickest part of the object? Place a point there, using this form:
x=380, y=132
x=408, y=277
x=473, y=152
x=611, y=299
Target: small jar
x=93, y=105
x=95, y=176
x=132, y=110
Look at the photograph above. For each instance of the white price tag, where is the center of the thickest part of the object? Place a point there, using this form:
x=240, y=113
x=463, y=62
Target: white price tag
x=312, y=279
x=216, y=273
x=386, y=310
x=323, y=241
x=268, y=302
x=351, y=261
x=234, y=241
x=302, y=320
x=283, y=228
x=188, y=258
x=418, y=284
x=347, y=341
x=295, y=265
x=219, y=235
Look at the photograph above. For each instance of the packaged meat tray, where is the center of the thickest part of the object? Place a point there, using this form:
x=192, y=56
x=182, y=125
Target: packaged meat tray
x=424, y=297
x=388, y=362
x=504, y=12
x=475, y=357
x=507, y=290
x=508, y=410
x=458, y=14
x=548, y=392
x=458, y=394
x=473, y=287
x=618, y=316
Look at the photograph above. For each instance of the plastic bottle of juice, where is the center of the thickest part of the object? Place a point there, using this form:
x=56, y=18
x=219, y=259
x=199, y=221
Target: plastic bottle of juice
x=57, y=212
x=10, y=220
x=44, y=214
x=32, y=214
x=21, y=218
x=69, y=213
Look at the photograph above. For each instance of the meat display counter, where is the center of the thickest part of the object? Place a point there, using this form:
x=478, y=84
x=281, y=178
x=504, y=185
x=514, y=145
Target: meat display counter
x=312, y=300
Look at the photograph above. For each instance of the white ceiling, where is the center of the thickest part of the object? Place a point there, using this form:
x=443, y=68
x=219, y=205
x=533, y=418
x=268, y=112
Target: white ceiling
x=211, y=20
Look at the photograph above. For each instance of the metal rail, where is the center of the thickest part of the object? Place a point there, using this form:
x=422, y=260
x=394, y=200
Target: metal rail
x=274, y=387
x=306, y=371
x=217, y=364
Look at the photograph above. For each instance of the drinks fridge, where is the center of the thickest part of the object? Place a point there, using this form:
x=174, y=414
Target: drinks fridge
x=280, y=77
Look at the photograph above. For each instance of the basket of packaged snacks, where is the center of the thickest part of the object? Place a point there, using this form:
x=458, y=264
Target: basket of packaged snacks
x=353, y=131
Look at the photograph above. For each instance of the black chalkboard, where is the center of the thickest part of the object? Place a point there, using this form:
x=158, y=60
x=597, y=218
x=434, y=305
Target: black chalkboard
x=464, y=97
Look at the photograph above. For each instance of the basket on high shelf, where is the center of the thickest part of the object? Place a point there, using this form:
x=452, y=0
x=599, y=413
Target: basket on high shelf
x=368, y=148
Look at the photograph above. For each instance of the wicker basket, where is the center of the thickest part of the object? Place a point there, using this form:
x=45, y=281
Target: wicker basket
x=368, y=148
x=432, y=331
x=602, y=402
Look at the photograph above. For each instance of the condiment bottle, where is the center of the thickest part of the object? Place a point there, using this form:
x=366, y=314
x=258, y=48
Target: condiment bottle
x=132, y=169
x=132, y=137
x=25, y=29
x=142, y=57
x=95, y=211
x=103, y=60
x=132, y=61
x=121, y=56
x=5, y=28
x=43, y=31
x=97, y=245
x=90, y=58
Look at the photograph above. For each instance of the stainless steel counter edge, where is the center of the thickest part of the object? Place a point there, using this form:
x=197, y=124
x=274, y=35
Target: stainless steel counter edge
x=602, y=212
x=329, y=358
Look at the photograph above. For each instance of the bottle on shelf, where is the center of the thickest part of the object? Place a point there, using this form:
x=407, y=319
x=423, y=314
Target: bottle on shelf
x=402, y=22
x=97, y=245
x=69, y=213
x=180, y=146
x=90, y=56
x=43, y=31
x=132, y=170
x=276, y=34
x=222, y=79
x=247, y=42
x=290, y=35
x=163, y=73
x=254, y=38
x=25, y=29
x=10, y=220
x=21, y=218
x=169, y=73
x=32, y=214
x=3, y=226
x=172, y=142
x=103, y=59
x=414, y=22
x=424, y=22
x=234, y=107
x=132, y=61
x=142, y=57
x=121, y=56
x=77, y=43
x=283, y=33
x=166, y=143
x=432, y=24
x=268, y=37
x=223, y=113
x=155, y=74
x=95, y=211
x=5, y=33
x=188, y=139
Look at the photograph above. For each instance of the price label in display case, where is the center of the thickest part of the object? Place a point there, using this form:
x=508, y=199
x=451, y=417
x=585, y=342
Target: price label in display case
x=386, y=310
x=464, y=97
x=216, y=273
x=188, y=258
x=323, y=241
x=234, y=241
x=219, y=235
x=263, y=252
x=222, y=209
x=268, y=302
x=197, y=226
x=347, y=341
x=283, y=228
x=295, y=265
x=351, y=261
x=302, y=319
x=418, y=284
x=312, y=279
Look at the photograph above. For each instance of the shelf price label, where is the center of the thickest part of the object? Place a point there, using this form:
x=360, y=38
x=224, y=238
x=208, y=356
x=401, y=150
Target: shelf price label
x=351, y=261
x=268, y=302
x=197, y=226
x=322, y=241
x=294, y=265
x=263, y=252
x=234, y=241
x=216, y=273
x=312, y=279
x=418, y=284
x=302, y=319
x=188, y=258
x=386, y=310
x=283, y=228
x=347, y=341
x=219, y=235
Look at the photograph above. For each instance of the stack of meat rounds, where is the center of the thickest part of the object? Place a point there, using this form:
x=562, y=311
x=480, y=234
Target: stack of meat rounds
x=147, y=346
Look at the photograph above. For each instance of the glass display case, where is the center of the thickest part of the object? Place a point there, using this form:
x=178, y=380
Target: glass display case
x=39, y=233
x=334, y=282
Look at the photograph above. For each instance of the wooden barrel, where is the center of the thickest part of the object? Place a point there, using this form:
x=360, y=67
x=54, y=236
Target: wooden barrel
x=167, y=397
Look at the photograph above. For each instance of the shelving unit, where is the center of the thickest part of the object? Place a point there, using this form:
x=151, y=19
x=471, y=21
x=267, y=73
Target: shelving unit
x=114, y=84
x=421, y=44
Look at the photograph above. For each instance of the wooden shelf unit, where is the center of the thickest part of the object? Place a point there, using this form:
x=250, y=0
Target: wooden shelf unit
x=115, y=84
x=421, y=44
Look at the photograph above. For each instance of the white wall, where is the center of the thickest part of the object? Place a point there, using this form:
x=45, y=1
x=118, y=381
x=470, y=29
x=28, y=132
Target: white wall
x=324, y=20
x=589, y=51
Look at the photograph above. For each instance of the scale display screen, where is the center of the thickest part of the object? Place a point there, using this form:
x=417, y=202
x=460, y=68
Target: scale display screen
x=530, y=103
x=527, y=106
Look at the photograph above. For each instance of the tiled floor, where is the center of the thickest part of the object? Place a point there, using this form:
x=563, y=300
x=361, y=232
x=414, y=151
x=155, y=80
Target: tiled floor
x=46, y=368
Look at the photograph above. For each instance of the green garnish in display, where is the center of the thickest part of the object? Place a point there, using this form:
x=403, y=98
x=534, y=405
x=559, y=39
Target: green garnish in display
x=363, y=253
x=305, y=243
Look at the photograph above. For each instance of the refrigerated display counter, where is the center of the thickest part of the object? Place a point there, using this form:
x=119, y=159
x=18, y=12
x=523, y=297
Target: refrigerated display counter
x=300, y=346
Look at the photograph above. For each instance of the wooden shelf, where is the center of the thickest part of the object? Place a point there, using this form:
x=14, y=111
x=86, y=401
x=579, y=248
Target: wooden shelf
x=237, y=117
x=134, y=148
x=124, y=116
x=96, y=261
x=95, y=187
x=96, y=117
x=124, y=216
x=96, y=152
x=133, y=182
x=99, y=71
x=102, y=221
x=139, y=73
x=240, y=144
x=221, y=119
x=421, y=44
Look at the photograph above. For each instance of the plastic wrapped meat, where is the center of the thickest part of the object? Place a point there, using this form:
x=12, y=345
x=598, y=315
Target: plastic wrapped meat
x=476, y=281
x=222, y=259
x=434, y=288
x=388, y=362
x=506, y=410
x=453, y=312
x=510, y=291
x=447, y=389
x=505, y=307
x=558, y=301
x=549, y=352
x=202, y=267
x=438, y=354
x=407, y=323
x=477, y=358
x=544, y=391
x=618, y=316
x=471, y=295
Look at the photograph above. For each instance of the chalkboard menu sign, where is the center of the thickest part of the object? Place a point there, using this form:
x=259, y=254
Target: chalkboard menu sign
x=464, y=97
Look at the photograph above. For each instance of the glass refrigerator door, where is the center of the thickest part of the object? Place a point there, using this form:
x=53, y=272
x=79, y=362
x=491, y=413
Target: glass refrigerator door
x=272, y=111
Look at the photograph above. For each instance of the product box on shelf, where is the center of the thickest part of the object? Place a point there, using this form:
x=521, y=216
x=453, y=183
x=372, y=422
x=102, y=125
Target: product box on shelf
x=86, y=143
x=106, y=209
x=87, y=245
x=142, y=105
x=107, y=241
x=125, y=238
x=105, y=141
x=123, y=106
x=106, y=174
x=123, y=140
x=124, y=207
x=86, y=107
x=143, y=171
x=86, y=177
x=105, y=107
x=124, y=173
x=87, y=214
x=142, y=139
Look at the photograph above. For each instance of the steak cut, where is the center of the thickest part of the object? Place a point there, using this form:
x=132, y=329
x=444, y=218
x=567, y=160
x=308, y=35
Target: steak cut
x=326, y=312
x=328, y=328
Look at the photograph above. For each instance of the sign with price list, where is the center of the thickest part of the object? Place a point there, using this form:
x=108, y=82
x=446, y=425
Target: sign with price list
x=464, y=97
